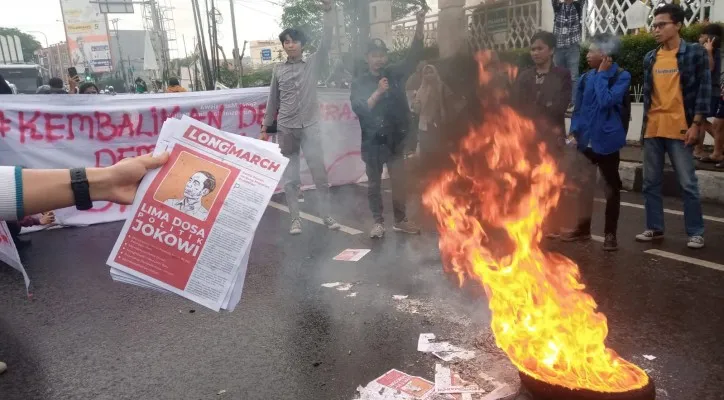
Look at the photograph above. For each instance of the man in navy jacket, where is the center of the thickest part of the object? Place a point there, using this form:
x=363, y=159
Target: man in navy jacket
x=598, y=129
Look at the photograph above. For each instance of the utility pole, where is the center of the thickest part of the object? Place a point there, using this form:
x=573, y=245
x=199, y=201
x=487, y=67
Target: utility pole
x=188, y=67
x=241, y=65
x=208, y=79
x=215, y=46
x=114, y=21
x=159, y=33
x=235, y=52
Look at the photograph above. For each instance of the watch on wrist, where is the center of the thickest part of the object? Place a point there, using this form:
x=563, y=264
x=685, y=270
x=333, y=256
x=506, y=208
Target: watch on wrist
x=81, y=189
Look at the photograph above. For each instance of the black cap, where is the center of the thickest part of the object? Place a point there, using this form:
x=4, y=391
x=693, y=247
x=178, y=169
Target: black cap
x=376, y=45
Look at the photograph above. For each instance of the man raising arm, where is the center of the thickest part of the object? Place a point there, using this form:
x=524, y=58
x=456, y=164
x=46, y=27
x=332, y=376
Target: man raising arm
x=293, y=100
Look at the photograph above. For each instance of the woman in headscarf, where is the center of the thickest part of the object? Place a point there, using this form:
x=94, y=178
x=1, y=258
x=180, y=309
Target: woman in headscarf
x=432, y=104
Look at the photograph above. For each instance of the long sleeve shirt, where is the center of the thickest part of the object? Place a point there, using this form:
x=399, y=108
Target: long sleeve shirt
x=293, y=90
x=391, y=113
x=695, y=78
x=567, y=22
x=596, y=121
x=11, y=193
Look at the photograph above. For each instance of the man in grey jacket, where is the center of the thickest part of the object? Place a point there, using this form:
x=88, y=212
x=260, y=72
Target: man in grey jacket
x=293, y=100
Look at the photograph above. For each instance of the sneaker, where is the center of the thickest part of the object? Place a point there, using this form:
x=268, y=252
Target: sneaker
x=649, y=235
x=610, y=243
x=695, y=242
x=406, y=227
x=3, y=367
x=575, y=236
x=331, y=223
x=296, y=227
x=377, y=231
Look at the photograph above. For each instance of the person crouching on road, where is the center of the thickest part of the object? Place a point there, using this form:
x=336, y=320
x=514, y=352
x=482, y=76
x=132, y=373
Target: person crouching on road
x=599, y=126
x=379, y=100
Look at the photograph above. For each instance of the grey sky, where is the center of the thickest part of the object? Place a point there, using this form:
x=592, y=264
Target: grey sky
x=255, y=19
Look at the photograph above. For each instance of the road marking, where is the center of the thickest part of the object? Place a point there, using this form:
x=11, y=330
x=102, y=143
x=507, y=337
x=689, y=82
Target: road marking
x=364, y=184
x=312, y=218
x=690, y=260
x=666, y=210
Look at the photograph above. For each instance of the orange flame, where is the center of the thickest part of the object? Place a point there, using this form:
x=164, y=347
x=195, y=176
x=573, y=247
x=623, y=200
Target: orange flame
x=489, y=211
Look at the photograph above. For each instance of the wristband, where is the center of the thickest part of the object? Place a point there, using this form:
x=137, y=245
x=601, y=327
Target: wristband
x=81, y=189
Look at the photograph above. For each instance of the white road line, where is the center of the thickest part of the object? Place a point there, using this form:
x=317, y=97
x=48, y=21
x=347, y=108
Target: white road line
x=364, y=184
x=690, y=260
x=666, y=210
x=312, y=218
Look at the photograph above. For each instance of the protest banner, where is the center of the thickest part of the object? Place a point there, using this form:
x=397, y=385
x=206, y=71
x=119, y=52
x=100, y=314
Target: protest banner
x=41, y=131
x=193, y=220
x=9, y=254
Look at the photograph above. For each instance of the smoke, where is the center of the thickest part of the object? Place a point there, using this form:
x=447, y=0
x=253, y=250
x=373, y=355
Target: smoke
x=609, y=44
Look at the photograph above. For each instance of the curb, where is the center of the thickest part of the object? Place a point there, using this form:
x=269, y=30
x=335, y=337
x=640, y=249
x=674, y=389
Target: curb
x=711, y=183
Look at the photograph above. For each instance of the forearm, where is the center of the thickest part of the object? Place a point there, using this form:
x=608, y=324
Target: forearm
x=49, y=189
x=373, y=100
x=329, y=21
x=710, y=55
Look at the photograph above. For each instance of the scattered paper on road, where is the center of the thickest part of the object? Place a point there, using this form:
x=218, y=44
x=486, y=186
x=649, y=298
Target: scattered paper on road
x=352, y=255
x=397, y=385
x=331, y=284
x=193, y=220
x=353, y=294
x=399, y=296
x=459, y=354
x=427, y=343
x=447, y=381
x=649, y=357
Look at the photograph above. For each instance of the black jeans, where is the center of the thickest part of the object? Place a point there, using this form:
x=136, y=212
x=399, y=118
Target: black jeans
x=375, y=156
x=608, y=165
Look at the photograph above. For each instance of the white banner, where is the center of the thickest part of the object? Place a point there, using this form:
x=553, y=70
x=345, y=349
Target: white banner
x=63, y=131
x=9, y=254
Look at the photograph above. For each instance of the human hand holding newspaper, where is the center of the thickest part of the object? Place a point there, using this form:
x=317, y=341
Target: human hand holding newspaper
x=193, y=220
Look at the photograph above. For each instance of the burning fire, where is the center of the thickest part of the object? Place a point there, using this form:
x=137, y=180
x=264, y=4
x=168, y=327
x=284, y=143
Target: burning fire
x=489, y=211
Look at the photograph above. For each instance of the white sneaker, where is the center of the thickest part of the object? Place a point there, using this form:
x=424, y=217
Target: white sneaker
x=695, y=242
x=296, y=227
x=331, y=224
x=649, y=236
x=378, y=231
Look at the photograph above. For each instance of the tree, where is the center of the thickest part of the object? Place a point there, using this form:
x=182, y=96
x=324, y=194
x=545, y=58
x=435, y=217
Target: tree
x=307, y=16
x=27, y=42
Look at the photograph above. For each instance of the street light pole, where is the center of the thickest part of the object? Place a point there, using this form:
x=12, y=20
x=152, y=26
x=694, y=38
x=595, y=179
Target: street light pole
x=50, y=53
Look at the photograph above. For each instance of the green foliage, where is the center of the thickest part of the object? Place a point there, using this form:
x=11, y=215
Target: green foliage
x=27, y=42
x=257, y=78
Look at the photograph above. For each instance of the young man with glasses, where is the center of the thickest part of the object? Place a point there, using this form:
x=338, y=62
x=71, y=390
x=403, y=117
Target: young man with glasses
x=677, y=97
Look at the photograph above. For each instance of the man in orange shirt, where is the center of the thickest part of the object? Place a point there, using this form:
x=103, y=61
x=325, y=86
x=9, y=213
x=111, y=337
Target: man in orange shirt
x=174, y=86
x=677, y=97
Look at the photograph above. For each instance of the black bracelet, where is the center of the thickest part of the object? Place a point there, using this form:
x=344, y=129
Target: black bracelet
x=81, y=189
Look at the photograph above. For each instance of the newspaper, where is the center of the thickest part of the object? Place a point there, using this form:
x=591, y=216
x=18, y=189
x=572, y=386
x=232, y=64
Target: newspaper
x=193, y=220
x=397, y=385
x=9, y=254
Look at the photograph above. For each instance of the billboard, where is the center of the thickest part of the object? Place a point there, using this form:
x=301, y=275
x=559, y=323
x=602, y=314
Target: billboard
x=266, y=54
x=86, y=30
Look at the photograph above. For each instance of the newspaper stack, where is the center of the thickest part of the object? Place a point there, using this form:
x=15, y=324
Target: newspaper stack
x=193, y=220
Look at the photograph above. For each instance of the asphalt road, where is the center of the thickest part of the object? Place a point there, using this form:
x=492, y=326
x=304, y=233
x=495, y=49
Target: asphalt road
x=86, y=337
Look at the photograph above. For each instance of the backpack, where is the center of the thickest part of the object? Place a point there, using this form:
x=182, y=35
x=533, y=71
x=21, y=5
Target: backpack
x=624, y=111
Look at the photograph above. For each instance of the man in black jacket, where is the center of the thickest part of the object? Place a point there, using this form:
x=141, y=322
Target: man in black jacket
x=379, y=100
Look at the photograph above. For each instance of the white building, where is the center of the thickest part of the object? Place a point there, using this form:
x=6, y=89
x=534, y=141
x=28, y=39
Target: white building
x=266, y=52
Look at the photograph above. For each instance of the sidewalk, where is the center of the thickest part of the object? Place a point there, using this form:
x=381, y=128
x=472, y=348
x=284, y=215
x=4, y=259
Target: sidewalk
x=711, y=179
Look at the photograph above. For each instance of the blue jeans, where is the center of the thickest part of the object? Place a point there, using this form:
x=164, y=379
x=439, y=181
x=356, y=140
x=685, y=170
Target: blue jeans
x=682, y=160
x=568, y=58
